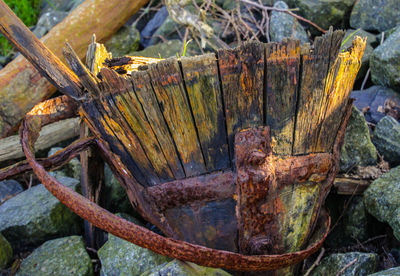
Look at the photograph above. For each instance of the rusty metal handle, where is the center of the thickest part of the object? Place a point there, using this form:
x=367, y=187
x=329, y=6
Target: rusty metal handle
x=145, y=238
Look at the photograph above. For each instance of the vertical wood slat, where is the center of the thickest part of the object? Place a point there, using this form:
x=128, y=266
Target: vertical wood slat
x=131, y=110
x=242, y=77
x=314, y=69
x=147, y=98
x=111, y=84
x=341, y=77
x=168, y=86
x=203, y=87
x=282, y=81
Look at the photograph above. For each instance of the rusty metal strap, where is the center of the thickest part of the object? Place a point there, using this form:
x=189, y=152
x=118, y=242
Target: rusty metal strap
x=145, y=238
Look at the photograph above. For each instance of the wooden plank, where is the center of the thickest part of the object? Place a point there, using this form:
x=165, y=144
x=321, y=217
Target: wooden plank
x=131, y=110
x=112, y=115
x=203, y=88
x=281, y=92
x=242, y=77
x=145, y=94
x=314, y=68
x=100, y=126
x=166, y=78
x=350, y=186
x=340, y=82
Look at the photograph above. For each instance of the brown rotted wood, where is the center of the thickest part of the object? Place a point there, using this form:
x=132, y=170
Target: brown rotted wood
x=314, y=69
x=341, y=78
x=110, y=117
x=145, y=94
x=166, y=78
x=92, y=184
x=282, y=80
x=129, y=108
x=203, y=87
x=242, y=77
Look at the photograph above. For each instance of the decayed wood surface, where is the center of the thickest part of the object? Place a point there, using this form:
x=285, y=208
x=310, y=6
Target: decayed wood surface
x=22, y=86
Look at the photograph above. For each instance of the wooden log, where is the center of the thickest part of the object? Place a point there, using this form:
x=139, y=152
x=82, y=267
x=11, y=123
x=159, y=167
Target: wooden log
x=203, y=87
x=282, y=62
x=166, y=78
x=10, y=147
x=22, y=86
x=242, y=77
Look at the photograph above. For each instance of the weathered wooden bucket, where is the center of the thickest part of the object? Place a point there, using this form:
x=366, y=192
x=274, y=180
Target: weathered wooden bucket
x=230, y=154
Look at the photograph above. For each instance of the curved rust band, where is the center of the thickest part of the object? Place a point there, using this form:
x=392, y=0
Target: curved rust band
x=145, y=238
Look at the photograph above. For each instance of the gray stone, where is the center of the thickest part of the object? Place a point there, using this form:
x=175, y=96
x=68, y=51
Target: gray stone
x=35, y=216
x=374, y=99
x=364, y=264
x=47, y=21
x=382, y=199
x=355, y=220
x=394, y=271
x=161, y=50
x=124, y=41
x=153, y=25
x=64, y=256
x=119, y=257
x=385, y=62
x=324, y=13
x=284, y=25
x=8, y=189
x=59, y=5
x=387, y=139
x=179, y=268
x=371, y=40
x=71, y=169
x=167, y=31
x=6, y=252
x=117, y=199
x=357, y=149
x=375, y=15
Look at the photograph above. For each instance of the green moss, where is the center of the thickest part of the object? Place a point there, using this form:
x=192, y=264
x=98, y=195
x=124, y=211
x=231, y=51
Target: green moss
x=27, y=11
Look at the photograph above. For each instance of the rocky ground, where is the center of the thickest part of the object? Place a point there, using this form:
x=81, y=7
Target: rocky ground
x=40, y=236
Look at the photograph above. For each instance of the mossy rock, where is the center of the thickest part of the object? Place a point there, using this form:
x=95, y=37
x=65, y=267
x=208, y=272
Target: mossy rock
x=179, y=268
x=124, y=41
x=395, y=271
x=120, y=257
x=357, y=149
x=363, y=264
x=387, y=139
x=375, y=15
x=385, y=62
x=64, y=256
x=382, y=199
x=35, y=216
x=6, y=252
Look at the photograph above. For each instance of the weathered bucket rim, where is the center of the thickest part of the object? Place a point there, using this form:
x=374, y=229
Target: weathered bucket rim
x=143, y=237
